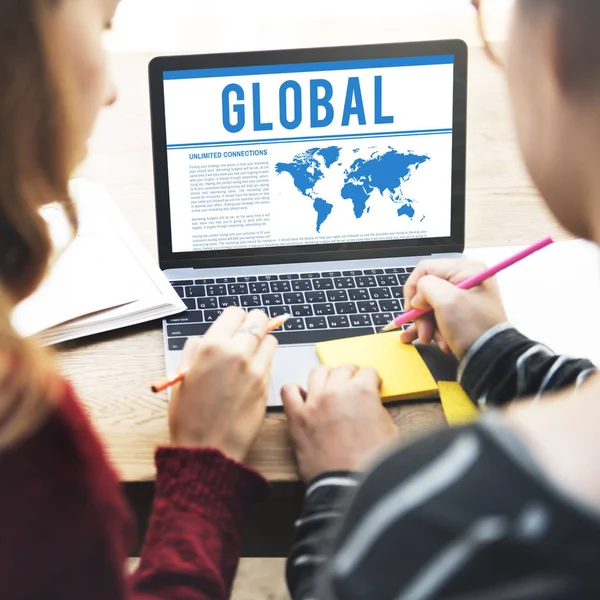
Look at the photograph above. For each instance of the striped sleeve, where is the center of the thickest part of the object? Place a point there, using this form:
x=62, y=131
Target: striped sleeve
x=325, y=500
x=504, y=365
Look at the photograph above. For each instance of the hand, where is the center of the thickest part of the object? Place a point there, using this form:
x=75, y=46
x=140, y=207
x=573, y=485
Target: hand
x=460, y=316
x=221, y=403
x=340, y=423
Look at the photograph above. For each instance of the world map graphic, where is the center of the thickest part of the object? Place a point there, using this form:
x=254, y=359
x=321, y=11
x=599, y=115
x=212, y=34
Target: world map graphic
x=383, y=170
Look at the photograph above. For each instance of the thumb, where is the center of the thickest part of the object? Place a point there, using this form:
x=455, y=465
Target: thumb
x=293, y=400
x=436, y=293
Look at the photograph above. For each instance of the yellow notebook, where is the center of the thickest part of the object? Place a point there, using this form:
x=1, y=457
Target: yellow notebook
x=458, y=407
x=404, y=373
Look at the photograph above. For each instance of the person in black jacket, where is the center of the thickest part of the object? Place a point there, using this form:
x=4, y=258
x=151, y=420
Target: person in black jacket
x=508, y=507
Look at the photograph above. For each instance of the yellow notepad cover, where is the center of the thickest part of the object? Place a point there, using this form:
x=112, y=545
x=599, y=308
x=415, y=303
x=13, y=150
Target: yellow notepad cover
x=404, y=373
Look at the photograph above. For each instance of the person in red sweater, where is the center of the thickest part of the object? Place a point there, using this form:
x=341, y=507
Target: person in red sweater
x=65, y=529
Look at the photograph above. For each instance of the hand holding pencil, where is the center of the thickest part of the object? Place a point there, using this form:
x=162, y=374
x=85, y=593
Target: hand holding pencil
x=222, y=401
x=459, y=317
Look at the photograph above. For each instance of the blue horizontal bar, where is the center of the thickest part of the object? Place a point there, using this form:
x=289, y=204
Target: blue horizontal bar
x=444, y=59
x=308, y=139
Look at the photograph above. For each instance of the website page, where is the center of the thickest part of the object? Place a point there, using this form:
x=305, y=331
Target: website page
x=303, y=154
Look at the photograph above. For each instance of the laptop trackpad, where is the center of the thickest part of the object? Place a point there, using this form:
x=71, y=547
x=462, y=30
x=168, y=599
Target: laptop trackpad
x=292, y=364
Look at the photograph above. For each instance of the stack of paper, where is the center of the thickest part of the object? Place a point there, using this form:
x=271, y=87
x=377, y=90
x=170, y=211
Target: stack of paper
x=103, y=280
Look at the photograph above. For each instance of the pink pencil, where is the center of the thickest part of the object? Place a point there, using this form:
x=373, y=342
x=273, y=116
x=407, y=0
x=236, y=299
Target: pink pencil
x=467, y=284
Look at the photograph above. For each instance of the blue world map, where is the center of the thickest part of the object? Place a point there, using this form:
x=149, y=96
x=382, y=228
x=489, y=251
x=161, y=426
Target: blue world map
x=383, y=171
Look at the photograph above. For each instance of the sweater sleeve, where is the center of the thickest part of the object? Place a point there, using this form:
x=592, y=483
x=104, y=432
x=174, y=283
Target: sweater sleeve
x=192, y=546
x=504, y=365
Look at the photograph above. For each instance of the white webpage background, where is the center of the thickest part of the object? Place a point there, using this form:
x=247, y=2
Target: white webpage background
x=193, y=112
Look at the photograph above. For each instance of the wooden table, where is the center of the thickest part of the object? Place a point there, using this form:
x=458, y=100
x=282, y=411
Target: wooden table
x=111, y=372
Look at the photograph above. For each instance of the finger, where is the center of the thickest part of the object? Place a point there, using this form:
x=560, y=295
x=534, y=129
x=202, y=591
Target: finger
x=370, y=376
x=293, y=403
x=409, y=335
x=426, y=328
x=342, y=374
x=440, y=340
x=227, y=324
x=317, y=380
x=189, y=351
x=251, y=333
x=263, y=357
x=438, y=293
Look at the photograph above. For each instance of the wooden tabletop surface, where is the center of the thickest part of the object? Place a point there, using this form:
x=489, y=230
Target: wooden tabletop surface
x=111, y=372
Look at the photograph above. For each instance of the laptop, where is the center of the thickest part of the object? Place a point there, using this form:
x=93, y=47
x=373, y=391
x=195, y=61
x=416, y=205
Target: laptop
x=308, y=182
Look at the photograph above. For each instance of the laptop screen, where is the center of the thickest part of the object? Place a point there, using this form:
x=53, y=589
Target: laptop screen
x=309, y=154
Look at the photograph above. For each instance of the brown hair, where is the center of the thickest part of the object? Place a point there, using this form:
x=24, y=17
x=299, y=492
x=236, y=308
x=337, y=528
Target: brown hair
x=33, y=172
x=578, y=27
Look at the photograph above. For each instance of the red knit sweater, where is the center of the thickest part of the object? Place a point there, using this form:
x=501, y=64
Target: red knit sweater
x=65, y=529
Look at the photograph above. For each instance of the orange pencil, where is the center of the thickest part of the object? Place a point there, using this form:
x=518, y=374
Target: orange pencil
x=166, y=382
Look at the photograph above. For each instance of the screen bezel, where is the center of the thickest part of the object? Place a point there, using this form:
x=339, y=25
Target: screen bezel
x=314, y=253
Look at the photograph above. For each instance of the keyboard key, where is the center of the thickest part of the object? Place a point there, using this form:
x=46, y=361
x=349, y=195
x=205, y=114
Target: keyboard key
x=237, y=289
x=246, y=279
x=310, y=275
x=187, y=330
x=251, y=301
x=390, y=305
x=402, y=279
x=396, y=270
x=216, y=290
x=288, y=277
x=204, y=281
x=387, y=280
x=337, y=296
x=210, y=316
x=226, y=280
x=323, y=284
x=262, y=287
x=194, y=291
x=277, y=311
x=180, y=292
x=294, y=325
x=207, y=303
x=410, y=269
x=268, y=277
x=182, y=283
x=382, y=319
x=190, y=316
x=190, y=303
x=313, y=297
x=380, y=293
x=225, y=301
x=177, y=343
x=354, y=273
x=346, y=308
x=324, y=309
x=272, y=299
x=373, y=271
x=368, y=307
x=294, y=298
x=397, y=292
x=280, y=286
x=263, y=308
x=302, y=310
x=316, y=323
x=360, y=294
x=337, y=322
x=313, y=336
x=363, y=282
x=360, y=321
x=303, y=285
x=331, y=274
x=344, y=283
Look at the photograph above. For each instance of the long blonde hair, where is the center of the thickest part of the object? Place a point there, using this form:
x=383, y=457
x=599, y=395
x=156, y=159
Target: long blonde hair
x=33, y=172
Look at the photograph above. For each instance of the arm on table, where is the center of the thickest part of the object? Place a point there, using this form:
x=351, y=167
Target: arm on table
x=192, y=547
x=503, y=365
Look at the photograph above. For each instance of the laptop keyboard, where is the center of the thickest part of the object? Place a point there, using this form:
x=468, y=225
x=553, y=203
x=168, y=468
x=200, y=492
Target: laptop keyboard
x=323, y=306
